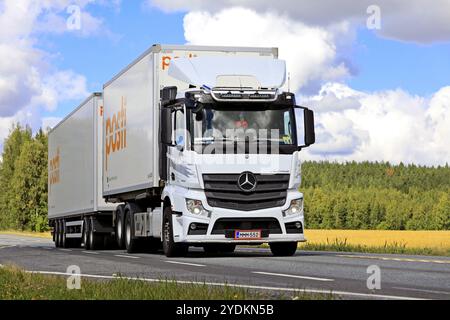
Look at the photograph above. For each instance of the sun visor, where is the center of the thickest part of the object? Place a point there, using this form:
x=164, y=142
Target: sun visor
x=216, y=71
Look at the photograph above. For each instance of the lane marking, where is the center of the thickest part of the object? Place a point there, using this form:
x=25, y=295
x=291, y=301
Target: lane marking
x=186, y=263
x=292, y=276
x=7, y=246
x=48, y=248
x=394, y=259
x=219, y=284
x=125, y=256
x=67, y=250
x=90, y=252
x=422, y=290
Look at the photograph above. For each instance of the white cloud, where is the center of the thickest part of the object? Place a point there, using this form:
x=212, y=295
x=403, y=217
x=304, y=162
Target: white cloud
x=28, y=82
x=415, y=20
x=310, y=52
x=390, y=126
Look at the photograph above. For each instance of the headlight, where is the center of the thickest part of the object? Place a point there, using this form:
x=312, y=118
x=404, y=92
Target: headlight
x=196, y=207
x=295, y=208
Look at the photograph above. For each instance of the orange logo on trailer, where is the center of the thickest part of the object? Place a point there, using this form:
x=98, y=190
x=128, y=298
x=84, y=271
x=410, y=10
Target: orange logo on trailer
x=53, y=169
x=116, y=132
x=166, y=60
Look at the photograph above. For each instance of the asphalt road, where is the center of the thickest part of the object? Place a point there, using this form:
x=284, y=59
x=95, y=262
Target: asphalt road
x=343, y=274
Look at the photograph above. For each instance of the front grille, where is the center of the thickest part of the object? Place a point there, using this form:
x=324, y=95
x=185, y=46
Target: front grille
x=222, y=191
x=228, y=225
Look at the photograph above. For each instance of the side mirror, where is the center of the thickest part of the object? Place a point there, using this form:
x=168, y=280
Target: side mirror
x=166, y=126
x=304, y=119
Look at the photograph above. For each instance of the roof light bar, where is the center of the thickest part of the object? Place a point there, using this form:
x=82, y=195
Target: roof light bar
x=223, y=95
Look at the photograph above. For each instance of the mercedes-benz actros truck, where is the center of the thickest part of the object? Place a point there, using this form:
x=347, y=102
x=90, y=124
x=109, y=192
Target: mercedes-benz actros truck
x=187, y=146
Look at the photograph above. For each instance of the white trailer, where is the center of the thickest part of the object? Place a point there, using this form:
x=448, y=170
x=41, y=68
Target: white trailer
x=176, y=176
x=74, y=171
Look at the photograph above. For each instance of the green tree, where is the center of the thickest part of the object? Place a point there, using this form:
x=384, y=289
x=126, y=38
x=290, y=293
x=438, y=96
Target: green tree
x=12, y=148
x=29, y=186
x=441, y=212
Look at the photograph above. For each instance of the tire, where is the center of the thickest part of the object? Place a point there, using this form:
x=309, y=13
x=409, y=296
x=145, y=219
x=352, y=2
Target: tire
x=131, y=243
x=170, y=247
x=283, y=249
x=95, y=240
x=64, y=240
x=86, y=233
x=120, y=226
x=56, y=231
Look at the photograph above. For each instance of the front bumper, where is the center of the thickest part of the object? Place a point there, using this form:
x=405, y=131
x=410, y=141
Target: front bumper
x=184, y=219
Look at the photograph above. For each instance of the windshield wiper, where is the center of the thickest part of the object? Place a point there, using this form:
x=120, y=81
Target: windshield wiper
x=212, y=140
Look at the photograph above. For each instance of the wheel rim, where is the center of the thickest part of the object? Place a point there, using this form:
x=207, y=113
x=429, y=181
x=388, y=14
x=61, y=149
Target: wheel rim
x=119, y=229
x=85, y=235
x=63, y=238
x=60, y=234
x=128, y=233
x=91, y=237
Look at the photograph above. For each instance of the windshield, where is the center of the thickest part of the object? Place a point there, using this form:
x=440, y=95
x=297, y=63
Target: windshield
x=245, y=124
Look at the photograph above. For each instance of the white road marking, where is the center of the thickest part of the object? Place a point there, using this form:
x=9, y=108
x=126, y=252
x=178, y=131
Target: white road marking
x=186, y=263
x=126, y=256
x=292, y=276
x=90, y=252
x=393, y=258
x=67, y=250
x=6, y=246
x=422, y=290
x=219, y=284
x=48, y=248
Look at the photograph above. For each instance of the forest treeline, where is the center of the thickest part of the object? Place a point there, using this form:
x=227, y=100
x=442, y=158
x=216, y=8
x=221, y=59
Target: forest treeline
x=337, y=196
x=376, y=196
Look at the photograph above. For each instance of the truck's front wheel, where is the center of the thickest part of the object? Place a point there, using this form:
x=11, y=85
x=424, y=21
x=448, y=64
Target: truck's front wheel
x=283, y=249
x=171, y=249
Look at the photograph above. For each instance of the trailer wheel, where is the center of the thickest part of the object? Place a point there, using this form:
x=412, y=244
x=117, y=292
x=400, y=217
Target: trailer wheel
x=95, y=239
x=120, y=226
x=56, y=231
x=170, y=247
x=131, y=243
x=283, y=249
x=86, y=233
x=64, y=240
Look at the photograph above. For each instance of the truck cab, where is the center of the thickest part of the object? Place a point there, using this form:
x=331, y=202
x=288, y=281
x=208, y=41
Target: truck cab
x=230, y=158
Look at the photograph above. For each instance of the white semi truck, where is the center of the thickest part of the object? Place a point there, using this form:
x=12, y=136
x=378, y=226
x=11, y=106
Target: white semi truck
x=187, y=146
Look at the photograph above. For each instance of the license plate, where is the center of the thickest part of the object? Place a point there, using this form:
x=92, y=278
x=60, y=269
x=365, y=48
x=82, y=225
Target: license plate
x=247, y=234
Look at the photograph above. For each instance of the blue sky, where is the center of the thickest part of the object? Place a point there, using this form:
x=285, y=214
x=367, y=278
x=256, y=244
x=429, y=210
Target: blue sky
x=379, y=63
x=359, y=81
x=386, y=64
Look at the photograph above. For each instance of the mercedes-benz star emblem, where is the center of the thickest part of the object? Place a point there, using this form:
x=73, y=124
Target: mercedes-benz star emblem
x=247, y=182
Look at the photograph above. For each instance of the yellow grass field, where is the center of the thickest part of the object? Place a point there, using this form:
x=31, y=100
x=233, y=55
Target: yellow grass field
x=437, y=241
x=28, y=233
x=410, y=239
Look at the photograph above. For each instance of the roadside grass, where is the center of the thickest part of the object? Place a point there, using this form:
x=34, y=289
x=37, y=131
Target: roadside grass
x=17, y=284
